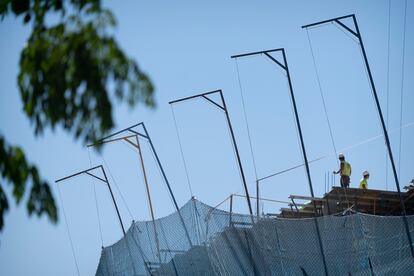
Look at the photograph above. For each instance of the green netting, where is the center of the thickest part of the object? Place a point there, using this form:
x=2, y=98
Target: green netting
x=234, y=244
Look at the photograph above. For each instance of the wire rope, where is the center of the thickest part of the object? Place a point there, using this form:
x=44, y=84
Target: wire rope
x=96, y=200
x=322, y=97
x=388, y=88
x=247, y=123
x=238, y=168
x=160, y=174
x=127, y=207
x=67, y=228
x=402, y=90
x=181, y=151
x=196, y=222
x=345, y=149
x=117, y=188
x=245, y=119
x=169, y=249
x=149, y=239
x=368, y=80
x=297, y=130
x=374, y=138
x=302, y=150
x=141, y=251
x=170, y=196
x=366, y=72
x=296, y=127
x=371, y=88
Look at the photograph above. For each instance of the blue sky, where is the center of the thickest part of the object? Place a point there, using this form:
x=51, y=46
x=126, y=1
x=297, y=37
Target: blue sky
x=185, y=46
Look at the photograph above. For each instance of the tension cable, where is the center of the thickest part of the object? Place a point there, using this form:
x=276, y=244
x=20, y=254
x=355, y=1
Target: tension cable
x=67, y=228
x=181, y=151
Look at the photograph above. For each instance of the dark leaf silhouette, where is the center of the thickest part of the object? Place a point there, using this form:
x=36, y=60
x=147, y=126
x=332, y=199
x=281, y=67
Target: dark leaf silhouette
x=71, y=72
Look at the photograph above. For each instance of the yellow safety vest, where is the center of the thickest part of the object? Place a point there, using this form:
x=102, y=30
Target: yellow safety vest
x=363, y=184
x=346, y=168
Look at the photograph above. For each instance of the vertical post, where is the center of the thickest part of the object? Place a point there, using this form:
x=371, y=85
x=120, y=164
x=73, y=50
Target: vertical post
x=168, y=184
x=304, y=157
x=161, y=167
x=257, y=198
x=286, y=68
x=384, y=128
x=387, y=140
x=237, y=154
x=119, y=216
x=231, y=208
x=302, y=144
x=113, y=200
x=149, y=198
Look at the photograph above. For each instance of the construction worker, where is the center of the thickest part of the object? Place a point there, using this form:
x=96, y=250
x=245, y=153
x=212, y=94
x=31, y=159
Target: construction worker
x=363, y=184
x=345, y=171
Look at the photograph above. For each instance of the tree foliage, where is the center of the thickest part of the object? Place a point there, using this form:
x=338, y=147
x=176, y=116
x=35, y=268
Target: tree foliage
x=18, y=172
x=71, y=71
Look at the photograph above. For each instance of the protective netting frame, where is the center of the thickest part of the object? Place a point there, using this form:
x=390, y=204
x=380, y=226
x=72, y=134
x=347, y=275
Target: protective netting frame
x=235, y=244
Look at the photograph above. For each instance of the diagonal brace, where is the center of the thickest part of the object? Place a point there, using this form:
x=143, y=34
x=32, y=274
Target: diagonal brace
x=347, y=28
x=213, y=102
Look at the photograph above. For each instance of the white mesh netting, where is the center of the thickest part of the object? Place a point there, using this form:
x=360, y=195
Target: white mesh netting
x=234, y=244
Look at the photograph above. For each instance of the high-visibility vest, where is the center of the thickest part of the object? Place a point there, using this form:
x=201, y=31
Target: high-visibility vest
x=346, y=168
x=363, y=184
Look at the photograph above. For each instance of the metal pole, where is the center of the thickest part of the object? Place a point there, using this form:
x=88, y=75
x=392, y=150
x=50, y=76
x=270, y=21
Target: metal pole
x=231, y=207
x=149, y=197
x=302, y=144
x=384, y=128
x=113, y=199
x=237, y=154
x=387, y=140
x=168, y=183
x=304, y=157
x=371, y=80
x=327, y=21
x=161, y=167
x=195, y=96
x=78, y=173
x=146, y=136
x=224, y=108
x=257, y=198
x=286, y=68
x=256, y=53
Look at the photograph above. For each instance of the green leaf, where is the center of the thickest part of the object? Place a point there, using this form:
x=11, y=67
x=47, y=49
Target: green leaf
x=17, y=172
x=4, y=206
x=64, y=77
x=20, y=6
x=69, y=75
x=26, y=18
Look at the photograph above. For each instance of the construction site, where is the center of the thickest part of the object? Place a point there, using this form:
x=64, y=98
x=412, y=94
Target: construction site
x=345, y=231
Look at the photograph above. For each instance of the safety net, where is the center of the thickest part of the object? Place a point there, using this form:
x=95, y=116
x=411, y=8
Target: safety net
x=202, y=240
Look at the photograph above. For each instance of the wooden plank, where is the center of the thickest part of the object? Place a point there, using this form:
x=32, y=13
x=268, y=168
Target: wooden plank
x=368, y=201
x=300, y=211
x=306, y=198
x=361, y=196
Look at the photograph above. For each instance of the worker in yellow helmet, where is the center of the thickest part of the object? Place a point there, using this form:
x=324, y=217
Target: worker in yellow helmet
x=363, y=184
x=345, y=171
